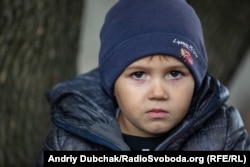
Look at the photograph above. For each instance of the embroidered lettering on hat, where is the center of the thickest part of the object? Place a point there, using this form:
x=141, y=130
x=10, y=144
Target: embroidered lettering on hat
x=185, y=45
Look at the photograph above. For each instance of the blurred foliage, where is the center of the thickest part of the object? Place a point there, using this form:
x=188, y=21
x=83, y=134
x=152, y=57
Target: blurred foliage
x=38, y=41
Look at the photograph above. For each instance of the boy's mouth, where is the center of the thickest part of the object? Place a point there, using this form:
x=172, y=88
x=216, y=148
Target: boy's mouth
x=157, y=113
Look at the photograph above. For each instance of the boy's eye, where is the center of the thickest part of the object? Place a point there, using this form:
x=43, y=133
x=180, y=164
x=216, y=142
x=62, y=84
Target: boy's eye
x=138, y=75
x=174, y=74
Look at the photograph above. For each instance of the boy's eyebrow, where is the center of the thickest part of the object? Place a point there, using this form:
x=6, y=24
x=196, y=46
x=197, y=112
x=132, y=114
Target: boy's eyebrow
x=143, y=67
x=134, y=67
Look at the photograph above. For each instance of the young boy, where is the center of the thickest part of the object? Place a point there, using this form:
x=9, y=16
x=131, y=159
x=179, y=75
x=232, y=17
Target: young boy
x=151, y=90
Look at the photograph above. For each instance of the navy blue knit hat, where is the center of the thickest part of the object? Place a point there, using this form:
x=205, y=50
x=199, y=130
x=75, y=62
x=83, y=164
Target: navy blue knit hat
x=137, y=28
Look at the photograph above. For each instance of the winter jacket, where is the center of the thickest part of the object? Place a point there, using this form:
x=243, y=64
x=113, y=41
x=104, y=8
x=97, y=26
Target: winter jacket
x=84, y=118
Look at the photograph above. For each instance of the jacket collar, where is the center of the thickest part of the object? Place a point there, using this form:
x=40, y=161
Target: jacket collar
x=80, y=106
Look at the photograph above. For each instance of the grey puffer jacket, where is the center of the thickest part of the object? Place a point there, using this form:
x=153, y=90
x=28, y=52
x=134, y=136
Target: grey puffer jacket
x=84, y=118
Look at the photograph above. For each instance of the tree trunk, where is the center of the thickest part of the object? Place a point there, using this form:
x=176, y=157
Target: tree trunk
x=227, y=34
x=38, y=41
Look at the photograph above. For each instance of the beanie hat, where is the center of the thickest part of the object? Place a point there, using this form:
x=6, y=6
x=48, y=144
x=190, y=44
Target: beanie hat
x=134, y=29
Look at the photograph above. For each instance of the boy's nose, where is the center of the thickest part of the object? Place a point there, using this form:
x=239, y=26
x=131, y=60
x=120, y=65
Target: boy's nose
x=158, y=90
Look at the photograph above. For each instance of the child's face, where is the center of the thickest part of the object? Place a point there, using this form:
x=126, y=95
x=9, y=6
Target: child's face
x=154, y=94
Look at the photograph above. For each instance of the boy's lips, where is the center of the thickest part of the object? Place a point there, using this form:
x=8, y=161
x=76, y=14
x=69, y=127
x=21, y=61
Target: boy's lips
x=157, y=113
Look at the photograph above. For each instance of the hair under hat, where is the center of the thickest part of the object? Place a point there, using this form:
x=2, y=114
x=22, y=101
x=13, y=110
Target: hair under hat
x=137, y=28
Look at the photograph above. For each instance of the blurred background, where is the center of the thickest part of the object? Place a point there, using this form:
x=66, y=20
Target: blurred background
x=43, y=42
